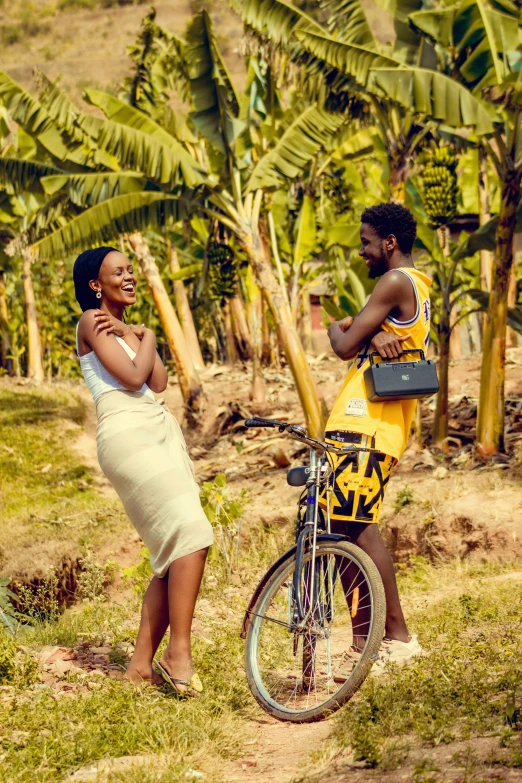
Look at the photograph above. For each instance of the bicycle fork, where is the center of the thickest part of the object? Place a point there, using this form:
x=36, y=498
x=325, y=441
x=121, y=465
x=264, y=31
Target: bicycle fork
x=309, y=530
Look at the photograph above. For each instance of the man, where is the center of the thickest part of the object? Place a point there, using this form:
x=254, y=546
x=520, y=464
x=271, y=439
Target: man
x=395, y=318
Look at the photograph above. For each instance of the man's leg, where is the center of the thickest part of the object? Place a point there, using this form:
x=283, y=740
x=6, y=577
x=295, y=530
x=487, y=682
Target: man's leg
x=368, y=538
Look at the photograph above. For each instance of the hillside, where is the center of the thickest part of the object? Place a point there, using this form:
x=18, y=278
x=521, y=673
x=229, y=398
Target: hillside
x=83, y=43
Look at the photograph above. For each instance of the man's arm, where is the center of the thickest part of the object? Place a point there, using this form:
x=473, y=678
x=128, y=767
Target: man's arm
x=391, y=291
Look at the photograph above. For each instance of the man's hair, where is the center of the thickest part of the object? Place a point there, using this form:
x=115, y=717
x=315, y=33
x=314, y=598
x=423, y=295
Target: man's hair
x=394, y=219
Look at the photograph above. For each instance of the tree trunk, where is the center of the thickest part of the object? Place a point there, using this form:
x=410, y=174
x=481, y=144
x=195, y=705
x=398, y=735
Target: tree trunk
x=266, y=350
x=305, y=322
x=440, y=422
x=255, y=317
x=490, y=421
x=232, y=356
x=240, y=327
x=313, y=405
x=512, y=335
x=35, y=368
x=184, y=312
x=484, y=216
x=455, y=344
x=4, y=330
x=189, y=382
x=398, y=177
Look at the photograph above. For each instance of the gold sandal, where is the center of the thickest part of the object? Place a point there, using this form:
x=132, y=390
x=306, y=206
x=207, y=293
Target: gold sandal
x=194, y=687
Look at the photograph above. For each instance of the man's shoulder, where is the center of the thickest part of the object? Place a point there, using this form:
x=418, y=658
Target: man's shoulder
x=392, y=285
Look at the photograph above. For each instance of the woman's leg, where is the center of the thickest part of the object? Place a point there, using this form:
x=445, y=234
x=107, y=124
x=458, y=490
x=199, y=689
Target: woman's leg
x=154, y=623
x=185, y=576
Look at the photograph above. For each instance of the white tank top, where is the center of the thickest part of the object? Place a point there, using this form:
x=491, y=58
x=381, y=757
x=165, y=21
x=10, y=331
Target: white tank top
x=98, y=379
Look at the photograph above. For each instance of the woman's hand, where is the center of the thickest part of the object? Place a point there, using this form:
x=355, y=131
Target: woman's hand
x=111, y=325
x=139, y=331
x=388, y=345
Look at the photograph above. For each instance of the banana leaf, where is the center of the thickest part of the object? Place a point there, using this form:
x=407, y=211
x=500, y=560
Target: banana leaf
x=124, y=114
x=111, y=218
x=215, y=102
x=434, y=95
x=484, y=238
x=514, y=314
x=274, y=19
x=192, y=270
x=18, y=175
x=31, y=115
x=86, y=190
x=167, y=166
x=347, y=21
x=296, y=147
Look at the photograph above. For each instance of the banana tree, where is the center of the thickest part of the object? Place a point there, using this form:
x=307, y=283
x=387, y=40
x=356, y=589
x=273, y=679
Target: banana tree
x=24, y=199
x=337, y=59
x=104, y=144
x=478, y=45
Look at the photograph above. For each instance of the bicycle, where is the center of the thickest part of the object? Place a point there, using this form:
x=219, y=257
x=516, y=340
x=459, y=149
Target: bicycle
x=312, y=605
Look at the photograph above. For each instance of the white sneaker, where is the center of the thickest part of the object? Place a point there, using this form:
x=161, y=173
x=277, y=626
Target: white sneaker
x=399, y=653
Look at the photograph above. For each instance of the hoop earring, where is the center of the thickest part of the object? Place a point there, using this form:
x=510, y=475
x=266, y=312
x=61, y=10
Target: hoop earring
x=98, y=294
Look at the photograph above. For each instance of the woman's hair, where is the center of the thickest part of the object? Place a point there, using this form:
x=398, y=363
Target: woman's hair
x=86, y=268
x=394, y=219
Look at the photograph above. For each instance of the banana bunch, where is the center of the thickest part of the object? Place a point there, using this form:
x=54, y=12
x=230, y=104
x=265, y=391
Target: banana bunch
x=439, y=186
x=222, y=271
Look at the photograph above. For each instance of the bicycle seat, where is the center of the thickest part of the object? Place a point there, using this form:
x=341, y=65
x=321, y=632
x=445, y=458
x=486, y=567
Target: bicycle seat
x=297, y=477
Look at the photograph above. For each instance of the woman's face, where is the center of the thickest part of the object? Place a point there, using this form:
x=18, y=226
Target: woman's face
x=116, y=280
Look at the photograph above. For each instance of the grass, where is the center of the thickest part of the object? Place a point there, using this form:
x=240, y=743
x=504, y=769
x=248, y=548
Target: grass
x=50, y=510
x=46, y=734
x=468, y=685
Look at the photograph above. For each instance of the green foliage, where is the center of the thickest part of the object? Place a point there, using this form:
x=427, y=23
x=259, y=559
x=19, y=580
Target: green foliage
x=6, y=599
x=224, y=509
x=139, y=575
x=93, y=578
x=299, y=144
x=17, y=667
x=404, y=497
x=467, y=686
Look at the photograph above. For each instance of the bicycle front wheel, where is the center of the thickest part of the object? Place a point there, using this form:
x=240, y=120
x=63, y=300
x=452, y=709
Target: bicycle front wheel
x=302, y=671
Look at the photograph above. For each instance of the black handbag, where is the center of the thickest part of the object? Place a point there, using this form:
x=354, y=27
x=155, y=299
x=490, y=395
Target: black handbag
x=389, y=380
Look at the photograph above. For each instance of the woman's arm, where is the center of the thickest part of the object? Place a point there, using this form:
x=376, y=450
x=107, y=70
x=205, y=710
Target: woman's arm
x=157, y=380
x=131, y=373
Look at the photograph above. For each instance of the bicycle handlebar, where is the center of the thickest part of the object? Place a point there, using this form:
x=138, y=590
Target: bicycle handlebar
x=299, y=433
x=256, y=421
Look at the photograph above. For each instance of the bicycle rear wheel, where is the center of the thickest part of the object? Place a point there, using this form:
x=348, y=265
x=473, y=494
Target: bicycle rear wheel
x=303, y=674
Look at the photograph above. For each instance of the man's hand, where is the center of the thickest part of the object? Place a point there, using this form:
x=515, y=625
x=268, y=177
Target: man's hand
x=387, y=345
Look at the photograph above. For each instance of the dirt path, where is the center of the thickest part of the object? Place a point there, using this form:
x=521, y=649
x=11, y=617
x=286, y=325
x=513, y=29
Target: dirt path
x=278, y=753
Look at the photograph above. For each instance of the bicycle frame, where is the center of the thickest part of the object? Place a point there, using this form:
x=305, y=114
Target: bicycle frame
x=307, y=537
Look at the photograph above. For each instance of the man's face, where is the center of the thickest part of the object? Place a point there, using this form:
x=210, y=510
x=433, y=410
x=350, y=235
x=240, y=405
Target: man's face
x=373, y=250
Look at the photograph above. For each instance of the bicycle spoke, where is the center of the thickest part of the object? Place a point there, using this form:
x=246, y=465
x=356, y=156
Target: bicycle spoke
x=297, y=666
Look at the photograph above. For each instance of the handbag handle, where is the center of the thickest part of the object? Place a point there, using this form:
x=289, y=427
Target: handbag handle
x=408, y=350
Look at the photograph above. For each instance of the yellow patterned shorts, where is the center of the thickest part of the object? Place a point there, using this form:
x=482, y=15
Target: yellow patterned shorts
x=358, y=482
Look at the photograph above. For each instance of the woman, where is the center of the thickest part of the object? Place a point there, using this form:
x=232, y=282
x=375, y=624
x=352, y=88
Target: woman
x=142, y=452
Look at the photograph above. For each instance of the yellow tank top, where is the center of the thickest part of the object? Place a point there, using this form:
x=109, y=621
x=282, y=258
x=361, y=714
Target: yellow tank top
x=388, y=422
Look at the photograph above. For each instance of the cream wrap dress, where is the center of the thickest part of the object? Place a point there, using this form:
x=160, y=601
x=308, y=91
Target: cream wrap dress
x=142, y=452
